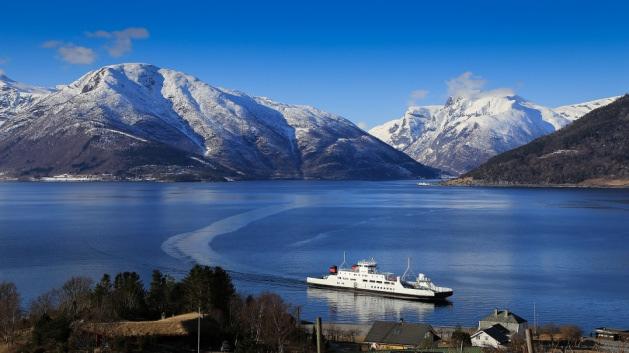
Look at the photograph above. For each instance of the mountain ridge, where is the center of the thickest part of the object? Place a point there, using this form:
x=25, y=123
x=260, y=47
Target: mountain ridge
x=467, y=131
x=141, y=121
x=593, y=151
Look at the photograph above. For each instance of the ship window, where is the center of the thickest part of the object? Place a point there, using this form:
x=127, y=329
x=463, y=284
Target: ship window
x=364, y=280
x=371, y=280
x=378, y=281
x=353, y=279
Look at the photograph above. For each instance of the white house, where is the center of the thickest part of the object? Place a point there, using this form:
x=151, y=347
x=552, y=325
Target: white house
x=512, y=322
x=495, y=337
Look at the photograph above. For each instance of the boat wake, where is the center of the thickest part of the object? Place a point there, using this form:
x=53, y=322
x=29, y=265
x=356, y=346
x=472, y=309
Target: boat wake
x=195, y=246
x=327, y=234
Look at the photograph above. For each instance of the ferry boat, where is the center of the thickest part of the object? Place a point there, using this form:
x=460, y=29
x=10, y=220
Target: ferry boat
x=364, y=276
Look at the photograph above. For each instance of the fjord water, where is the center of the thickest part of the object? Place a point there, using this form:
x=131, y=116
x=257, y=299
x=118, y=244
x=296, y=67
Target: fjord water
x=564, y=251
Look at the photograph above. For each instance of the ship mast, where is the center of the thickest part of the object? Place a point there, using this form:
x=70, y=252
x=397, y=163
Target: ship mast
x=343, y=264
x=408, y=267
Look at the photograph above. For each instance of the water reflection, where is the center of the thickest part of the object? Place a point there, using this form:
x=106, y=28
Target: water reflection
x=366, y=308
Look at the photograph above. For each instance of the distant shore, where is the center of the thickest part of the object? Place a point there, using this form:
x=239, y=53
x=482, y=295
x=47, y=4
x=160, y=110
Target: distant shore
x=589, y=183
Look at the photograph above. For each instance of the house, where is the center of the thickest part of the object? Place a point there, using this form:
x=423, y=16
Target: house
x=494, y=336
x=387, y=335
x=512, y=322
x=612, y=334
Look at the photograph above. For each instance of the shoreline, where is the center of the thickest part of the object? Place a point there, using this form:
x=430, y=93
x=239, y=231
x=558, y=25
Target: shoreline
x=598, y=183
x=457, y=182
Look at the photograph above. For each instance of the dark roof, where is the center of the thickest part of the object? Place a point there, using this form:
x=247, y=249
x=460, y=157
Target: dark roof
x=502, y=329
x=504, y=316
x=398, y=333
x=496, y=332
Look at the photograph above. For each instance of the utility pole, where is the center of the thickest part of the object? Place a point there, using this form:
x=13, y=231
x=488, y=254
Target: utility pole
x=534, y=319
x=318, y=328
x=199, y=331
x=529, y=341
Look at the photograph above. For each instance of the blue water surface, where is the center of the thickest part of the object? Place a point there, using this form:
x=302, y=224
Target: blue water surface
x=563, y=251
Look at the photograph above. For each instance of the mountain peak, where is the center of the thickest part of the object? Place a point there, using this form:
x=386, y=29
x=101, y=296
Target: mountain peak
x=138, y=120
x=5, y=78
x=469, y=129
x=15, y=96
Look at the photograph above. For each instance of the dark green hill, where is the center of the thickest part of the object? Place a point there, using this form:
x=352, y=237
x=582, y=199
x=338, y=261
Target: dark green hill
x=592, y=151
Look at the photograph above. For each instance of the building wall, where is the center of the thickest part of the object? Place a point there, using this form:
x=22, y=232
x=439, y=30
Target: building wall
x=484, y=340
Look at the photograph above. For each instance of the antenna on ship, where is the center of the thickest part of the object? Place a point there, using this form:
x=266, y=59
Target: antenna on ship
x=408, y=267
x=343, y=264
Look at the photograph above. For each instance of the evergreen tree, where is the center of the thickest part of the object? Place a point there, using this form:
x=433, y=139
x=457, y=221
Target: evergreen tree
x=162, y=295
x=197, y=287
x=128, y=296
x=222, y=290
x=102, y=302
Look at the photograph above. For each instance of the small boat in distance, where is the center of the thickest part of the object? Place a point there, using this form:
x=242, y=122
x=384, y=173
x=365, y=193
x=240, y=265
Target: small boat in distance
x=423, y=183
x=364, y=276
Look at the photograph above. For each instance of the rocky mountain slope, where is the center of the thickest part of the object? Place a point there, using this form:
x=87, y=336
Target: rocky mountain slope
x=15, y=96
x=467, y=131
x=141, y=121
x=593, y=151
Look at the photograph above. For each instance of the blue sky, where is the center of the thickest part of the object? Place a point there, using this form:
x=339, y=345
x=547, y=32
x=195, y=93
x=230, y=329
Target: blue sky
x=360, y=59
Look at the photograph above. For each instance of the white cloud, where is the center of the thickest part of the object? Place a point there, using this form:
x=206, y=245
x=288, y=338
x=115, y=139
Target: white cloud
x=1, y=72
x=70, y=53
x=120, y=42
x=363, y=125
x=467, y=85
x=76, y=55
x=416, y=96
x=52, y=44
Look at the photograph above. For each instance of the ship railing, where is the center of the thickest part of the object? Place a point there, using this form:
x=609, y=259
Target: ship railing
x=440, y=289
x=427, y=286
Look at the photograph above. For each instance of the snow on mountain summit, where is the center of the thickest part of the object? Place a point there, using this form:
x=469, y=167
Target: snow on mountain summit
x=139, y=119
x=575, y=111
x=468, y=130
x=402, y=132
x=15, y=96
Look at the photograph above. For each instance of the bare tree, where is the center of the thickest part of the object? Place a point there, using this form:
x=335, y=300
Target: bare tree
x=278, y=323
x=9, y=311
x=267, y=321
x=47, y=303
x=551, y=330
x=571, y=333
x=75, y=296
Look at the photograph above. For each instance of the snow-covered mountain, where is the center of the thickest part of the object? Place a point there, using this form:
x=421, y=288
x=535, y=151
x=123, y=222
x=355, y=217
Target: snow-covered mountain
x=575, y=111
x=138, y=120
x=401, y=133
x=467, y=131
x=14, y=96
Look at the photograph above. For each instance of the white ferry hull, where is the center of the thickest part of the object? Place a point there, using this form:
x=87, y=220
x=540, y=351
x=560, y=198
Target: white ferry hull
x=392, y=290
